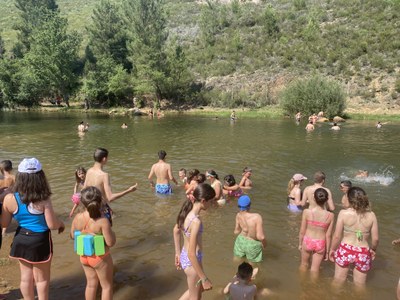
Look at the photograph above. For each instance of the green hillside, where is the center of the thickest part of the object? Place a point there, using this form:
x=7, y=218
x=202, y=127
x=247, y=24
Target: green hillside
x=242, y=50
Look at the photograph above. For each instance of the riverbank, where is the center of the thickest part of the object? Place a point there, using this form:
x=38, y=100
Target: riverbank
x=365, y=112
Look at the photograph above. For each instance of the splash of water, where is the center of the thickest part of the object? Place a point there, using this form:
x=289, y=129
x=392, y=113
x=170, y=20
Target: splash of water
x=384, y=176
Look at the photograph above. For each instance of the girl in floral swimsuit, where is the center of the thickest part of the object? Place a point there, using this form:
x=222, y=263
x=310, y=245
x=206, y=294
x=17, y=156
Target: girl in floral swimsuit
x=354, y=227
x=315, y=233
x=190, y=256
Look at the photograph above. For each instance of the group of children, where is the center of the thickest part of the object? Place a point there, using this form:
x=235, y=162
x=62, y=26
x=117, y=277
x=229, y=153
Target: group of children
x=355, y=238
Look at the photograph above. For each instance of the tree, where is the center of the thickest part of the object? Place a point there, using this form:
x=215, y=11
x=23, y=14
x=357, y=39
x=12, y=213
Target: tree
x=49, y=66
x=31, y=13
x=312, y=95
x=107, y=34
x=147, y=22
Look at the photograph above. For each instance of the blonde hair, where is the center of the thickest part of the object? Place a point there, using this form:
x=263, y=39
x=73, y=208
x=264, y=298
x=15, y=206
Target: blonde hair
x=291, y=185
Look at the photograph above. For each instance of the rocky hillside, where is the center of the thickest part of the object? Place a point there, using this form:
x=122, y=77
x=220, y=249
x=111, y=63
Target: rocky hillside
x=253, y=49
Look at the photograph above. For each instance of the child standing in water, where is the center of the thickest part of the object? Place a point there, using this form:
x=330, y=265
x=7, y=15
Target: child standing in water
x=240, y=287
x=80, y=175
x=189, y=258
x=315, y=233
x=92, y=221
x=231, y=188
x=250, y=241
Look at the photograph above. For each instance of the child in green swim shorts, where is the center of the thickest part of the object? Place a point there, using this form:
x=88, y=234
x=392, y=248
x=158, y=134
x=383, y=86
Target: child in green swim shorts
x=250, y=241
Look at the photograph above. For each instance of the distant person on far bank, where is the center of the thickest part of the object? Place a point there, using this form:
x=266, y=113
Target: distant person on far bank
x=163, y=173
x=233, y=116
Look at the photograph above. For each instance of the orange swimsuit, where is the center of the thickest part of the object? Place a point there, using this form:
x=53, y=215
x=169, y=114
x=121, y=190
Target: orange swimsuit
x=93, y=260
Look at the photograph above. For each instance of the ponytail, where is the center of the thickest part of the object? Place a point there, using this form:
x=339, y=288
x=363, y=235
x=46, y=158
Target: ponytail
x=185, y=209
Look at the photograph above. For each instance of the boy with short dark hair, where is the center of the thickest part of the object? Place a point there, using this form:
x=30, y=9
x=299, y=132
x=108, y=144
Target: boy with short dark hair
x=240, y=288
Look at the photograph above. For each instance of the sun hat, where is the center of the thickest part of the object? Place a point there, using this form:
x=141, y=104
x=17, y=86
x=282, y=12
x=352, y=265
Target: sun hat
x=29, y=165
x=244, y=202
x=299, y=177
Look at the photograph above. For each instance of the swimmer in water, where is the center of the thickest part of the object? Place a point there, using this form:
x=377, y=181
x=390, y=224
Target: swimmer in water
x=362, y=174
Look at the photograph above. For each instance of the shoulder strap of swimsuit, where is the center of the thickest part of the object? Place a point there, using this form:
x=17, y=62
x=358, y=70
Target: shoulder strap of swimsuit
x=190, y=222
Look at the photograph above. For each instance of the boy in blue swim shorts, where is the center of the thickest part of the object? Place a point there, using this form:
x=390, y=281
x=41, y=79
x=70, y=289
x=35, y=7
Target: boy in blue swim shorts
x=163, y=172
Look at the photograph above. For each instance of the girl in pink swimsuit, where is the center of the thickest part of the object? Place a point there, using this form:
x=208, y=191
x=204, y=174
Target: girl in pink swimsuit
x=98, y=269
x=189, y=226
x=315, y=233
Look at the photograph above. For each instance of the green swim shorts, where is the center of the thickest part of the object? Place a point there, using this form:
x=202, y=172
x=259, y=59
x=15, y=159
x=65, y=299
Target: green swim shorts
x=251, y=249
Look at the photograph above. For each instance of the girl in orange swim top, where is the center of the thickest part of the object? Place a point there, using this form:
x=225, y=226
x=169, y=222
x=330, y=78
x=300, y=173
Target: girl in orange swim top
x=92, y=221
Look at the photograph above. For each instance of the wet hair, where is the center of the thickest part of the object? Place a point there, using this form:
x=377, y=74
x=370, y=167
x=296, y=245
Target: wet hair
x=5, y=165
x=358, y=200
x=200, y=178
x=213, y=174
x=346, y=183
x=230, y=180
x=245, y=271
x=79, y=169
x=100, y=154
x=91, y=199
x=162, y=154
x=321, y=196
x=291, y=185
x=203, y=191
x=319, y=177
x=32, y=187
x=192, y=174
x=246, y=169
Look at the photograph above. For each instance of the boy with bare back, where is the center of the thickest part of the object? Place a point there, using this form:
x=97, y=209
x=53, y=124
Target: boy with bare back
x=163, y=172
x=250, y=241
x=308, y=193
x=95, y=176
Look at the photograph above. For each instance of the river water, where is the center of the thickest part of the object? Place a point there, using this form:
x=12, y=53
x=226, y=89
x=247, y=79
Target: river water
x=274, y=149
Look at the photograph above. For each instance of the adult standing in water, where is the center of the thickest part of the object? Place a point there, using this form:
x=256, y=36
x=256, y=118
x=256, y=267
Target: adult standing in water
x=294, y=193
x=308, y=194
x=31, y=206
x=354, y=227
x=163, y=172
x=189, y=258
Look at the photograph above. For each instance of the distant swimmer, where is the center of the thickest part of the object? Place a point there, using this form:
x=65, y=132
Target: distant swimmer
x=81, y=127
x=379, y=124
x=310, y=126
x=362, y=174
x=298, y=116
x=124, y=126
x=335, y=127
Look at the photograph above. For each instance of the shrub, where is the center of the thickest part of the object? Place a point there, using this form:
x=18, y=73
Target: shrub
x=312, y=95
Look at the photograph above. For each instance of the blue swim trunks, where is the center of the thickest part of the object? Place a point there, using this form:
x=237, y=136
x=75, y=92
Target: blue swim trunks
x=164, y=189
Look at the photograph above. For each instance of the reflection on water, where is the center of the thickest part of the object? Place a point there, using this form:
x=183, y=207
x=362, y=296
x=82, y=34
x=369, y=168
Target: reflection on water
x=274, y=149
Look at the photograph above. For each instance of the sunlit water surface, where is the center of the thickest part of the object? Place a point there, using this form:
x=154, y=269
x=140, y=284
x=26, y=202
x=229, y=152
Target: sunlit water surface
x=274, y=149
